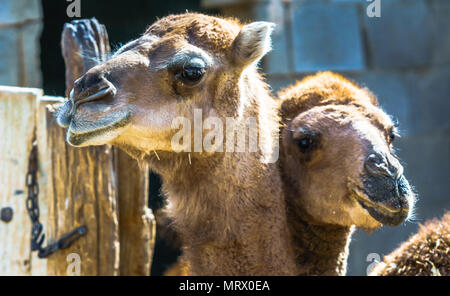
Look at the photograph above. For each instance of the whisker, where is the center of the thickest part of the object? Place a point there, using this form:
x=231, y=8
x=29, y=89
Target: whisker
x=157, y=156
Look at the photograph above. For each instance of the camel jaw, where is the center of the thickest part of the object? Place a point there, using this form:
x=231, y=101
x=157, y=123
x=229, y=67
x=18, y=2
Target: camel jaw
x=387, y=209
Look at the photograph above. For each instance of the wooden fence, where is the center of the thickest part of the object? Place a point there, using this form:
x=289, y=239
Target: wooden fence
x=101, y=188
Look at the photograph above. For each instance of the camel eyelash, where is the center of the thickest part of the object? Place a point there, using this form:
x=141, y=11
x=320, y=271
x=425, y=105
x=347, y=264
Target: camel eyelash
x=306, y=132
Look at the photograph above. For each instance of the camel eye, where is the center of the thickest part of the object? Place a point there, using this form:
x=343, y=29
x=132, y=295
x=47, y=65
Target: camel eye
x=305, y=143
x=306, y=140
x=392, y=136
x=393, y=131
x=192, y=74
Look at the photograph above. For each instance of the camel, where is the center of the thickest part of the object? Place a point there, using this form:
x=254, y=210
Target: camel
x=228, y=207
x=425, y=253
x=338, y=168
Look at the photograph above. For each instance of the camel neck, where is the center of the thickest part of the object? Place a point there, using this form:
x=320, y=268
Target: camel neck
x=233, y=224
x=319, y=249
x=204, y=191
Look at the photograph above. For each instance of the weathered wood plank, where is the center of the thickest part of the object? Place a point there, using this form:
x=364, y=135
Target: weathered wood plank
x=17, y=114
x=39, y=265
x=83, y=191
x=137, y=223
x=84, y=44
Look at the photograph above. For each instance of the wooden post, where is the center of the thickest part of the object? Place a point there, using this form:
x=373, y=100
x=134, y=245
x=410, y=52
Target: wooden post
x=81, y=185
x=137, y=224
x=17, y=115
x=84, y=44
x=82, y=191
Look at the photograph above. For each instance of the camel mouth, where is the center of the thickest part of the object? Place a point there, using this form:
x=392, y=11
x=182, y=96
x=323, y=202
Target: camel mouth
x=387, y=206
x=106, y=129
x=95, y=119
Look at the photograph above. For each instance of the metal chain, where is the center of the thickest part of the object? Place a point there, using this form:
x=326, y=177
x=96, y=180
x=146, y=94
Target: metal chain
x=37, y=237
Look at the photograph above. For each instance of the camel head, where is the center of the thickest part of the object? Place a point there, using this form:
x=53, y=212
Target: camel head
x=181, y=63
x=337, y=154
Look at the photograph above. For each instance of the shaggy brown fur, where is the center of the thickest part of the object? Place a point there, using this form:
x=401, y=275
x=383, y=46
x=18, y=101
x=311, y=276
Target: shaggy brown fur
x=323, y=89
x=228, y=207
x=328, y=189
x=425, y=253
x=321, y=202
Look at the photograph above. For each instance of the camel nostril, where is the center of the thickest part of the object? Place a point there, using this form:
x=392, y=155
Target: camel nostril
x=81, y=93
x=89, y=84
x=378, y=166
x=373, y=158
x=395, y=167
x=88, y=81
x=107, y=89
x=100, y=94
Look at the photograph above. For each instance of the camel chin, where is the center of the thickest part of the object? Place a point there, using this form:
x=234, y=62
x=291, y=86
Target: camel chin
x=386, y=200
x=96, y=137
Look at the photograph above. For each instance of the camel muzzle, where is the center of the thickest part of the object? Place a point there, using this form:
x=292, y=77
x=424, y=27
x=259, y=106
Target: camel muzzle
x=386, y=198
x=100, y=91
x=91, y=123
x=384, y=191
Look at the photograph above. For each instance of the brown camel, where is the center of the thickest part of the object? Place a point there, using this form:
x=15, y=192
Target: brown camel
x=425, y=253
x=338, y=168
x=228, y=207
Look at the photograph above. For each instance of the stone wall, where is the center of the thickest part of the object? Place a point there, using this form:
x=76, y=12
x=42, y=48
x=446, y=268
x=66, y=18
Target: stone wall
x=20, y=30
x=402, y=56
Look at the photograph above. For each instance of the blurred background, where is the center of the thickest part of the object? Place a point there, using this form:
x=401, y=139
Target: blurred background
x=402, y=54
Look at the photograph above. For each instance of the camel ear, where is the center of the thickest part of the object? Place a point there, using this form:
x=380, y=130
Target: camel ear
x=252, y=43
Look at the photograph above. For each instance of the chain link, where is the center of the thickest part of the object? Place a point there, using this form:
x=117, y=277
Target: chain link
x=32, y=203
